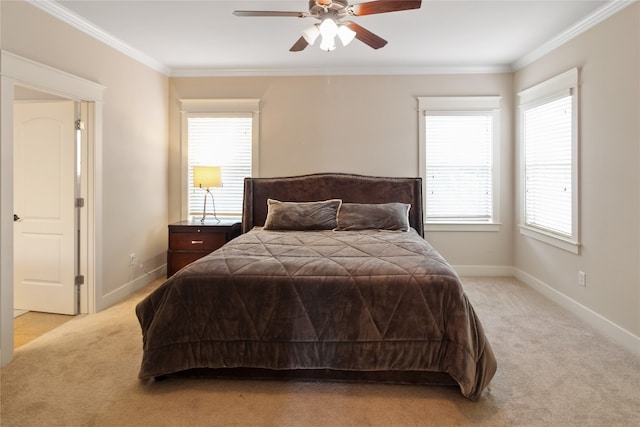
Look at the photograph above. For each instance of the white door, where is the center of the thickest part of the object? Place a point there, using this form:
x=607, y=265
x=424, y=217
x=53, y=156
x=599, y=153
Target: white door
x=44, y=203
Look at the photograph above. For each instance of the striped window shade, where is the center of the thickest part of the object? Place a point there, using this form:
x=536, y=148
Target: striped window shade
x=459, y=153
x=548, y=165
x=223, y=140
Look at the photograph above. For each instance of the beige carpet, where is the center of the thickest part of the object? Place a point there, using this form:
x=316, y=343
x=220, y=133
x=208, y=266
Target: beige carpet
x=553, y=370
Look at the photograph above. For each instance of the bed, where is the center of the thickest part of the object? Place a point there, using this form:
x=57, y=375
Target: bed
x=331, y=278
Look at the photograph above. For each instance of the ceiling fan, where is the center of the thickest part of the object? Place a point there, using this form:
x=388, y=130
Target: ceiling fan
x=330, y=13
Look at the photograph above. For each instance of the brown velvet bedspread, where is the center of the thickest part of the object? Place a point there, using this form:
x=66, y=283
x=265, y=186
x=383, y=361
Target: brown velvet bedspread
x=362, y=301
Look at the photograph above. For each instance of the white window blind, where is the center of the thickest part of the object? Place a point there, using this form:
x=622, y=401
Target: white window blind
x=548, y=154
x=459, y=152
x=223, y=140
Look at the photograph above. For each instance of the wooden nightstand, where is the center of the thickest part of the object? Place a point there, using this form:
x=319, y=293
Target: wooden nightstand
x=190, y=240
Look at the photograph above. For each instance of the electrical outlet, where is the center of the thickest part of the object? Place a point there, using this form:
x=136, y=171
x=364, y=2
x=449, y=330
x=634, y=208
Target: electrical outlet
x=132, y=259
x=582, y=279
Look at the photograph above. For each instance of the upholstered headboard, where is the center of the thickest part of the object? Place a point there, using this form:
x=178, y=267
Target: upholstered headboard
x=348, y=187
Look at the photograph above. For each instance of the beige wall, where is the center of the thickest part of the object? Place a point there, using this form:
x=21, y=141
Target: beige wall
x=134, y=139
x=608, y=57
x=359, y=124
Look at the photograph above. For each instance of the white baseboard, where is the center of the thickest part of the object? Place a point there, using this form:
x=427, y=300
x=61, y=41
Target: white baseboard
x=127, y=289
x=603, y=325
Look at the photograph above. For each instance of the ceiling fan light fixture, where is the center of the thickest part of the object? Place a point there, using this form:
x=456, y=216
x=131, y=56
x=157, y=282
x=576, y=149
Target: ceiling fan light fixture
x=311, y=34
x=330, y=13
x=328, y=28
x=328, y=43
x=346, y=34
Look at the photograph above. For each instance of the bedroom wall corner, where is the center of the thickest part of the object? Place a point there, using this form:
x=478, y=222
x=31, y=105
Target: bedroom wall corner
x=609, y=181
x=614, y=332
x=133, y=156
x=488, y=252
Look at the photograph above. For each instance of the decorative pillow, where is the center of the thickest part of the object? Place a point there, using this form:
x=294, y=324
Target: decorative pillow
x=302, y=215
x=382, y=216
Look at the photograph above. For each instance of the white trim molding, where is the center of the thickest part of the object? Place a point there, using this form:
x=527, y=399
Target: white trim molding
x=39, y=76
x=558, y=241
x=65, y=15
x=561, y=83
x=489, y=105
x=338, y=71
x=603, y=325
x=564, y=84
x=219, y=105
x=456, y=103
x=606, y=327
x=607, y=10
x=190, y=107
x=119, y=294
x=18, y=71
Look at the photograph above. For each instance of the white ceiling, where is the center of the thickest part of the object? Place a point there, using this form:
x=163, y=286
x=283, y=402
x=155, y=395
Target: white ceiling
x=200, y=38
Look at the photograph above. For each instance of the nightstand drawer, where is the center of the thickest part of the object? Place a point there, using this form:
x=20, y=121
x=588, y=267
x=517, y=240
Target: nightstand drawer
x=197, y=241
x=190, y=240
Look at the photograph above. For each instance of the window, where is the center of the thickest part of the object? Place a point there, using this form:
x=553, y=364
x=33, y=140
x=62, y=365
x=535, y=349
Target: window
x=459, y=163
x=548, y=141
x=219, y=133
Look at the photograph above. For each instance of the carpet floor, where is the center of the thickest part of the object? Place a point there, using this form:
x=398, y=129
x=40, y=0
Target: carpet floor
x=553, y=370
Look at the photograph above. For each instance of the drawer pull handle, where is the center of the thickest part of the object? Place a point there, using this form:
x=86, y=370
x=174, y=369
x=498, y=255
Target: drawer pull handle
x=197, y=242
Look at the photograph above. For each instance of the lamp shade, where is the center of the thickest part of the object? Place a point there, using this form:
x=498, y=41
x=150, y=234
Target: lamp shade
x=207, y=176
x=346, y=34
x=328, y=44
x=328, y=28
x=311, y=34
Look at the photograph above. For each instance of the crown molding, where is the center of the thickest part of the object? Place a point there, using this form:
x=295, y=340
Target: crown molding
x=340, y=71
x=53, y=8
x=607, y=10
x=65, y=15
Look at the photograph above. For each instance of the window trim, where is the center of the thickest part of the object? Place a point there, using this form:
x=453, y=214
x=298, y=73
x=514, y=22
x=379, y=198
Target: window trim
x=202, y=107
x=549, y=90
x=461, y=104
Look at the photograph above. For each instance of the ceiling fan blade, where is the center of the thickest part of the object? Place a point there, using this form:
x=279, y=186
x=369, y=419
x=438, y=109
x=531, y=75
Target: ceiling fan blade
x=382, y=6
x=366, y=36
x=270, y=13
x=299, y=45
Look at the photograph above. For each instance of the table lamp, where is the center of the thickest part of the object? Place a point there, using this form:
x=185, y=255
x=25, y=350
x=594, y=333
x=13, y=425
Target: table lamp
x=207, y=177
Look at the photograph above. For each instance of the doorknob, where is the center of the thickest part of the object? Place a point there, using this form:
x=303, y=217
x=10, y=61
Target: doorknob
x=16, y=218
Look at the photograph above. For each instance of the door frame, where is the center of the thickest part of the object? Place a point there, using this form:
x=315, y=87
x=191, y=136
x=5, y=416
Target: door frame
x=19, y=71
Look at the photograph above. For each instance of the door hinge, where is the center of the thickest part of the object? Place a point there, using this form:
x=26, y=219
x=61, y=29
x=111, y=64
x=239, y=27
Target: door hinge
x=79, y=125
x=79, y=280
x=80, y=202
